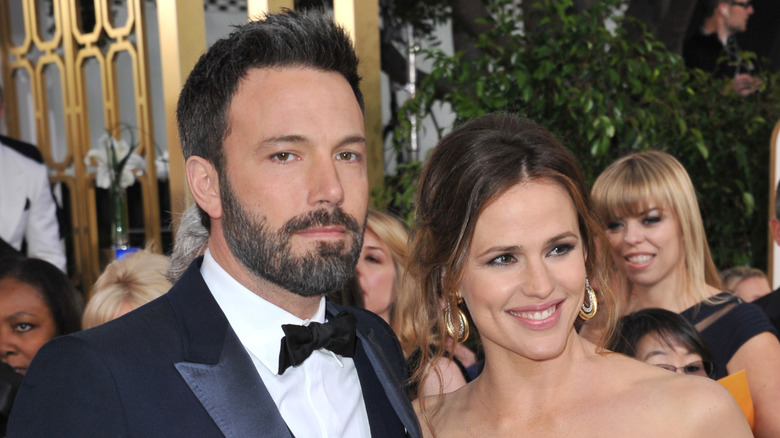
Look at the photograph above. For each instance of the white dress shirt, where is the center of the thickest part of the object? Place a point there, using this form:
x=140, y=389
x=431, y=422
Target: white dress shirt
x=320, y=397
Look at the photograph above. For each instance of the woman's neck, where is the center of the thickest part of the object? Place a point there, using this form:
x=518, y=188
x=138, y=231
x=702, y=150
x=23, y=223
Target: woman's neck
x=510, y=380
x=671, y=293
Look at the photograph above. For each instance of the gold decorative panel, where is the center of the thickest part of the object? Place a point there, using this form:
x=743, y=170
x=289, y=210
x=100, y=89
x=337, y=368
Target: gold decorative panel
x=66, y=54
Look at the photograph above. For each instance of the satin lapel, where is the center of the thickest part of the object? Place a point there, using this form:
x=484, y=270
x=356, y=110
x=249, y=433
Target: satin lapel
x=233, y=393
x=392, y=386
x=216, y=366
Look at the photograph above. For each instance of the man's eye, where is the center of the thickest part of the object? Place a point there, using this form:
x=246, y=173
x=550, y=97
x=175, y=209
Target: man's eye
x=347, y=156
x=283, y=156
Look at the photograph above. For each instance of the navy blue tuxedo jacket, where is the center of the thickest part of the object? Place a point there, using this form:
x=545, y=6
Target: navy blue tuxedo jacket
x=175, y=368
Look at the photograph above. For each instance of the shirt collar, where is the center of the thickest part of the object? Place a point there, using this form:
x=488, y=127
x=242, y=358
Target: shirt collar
x=256, y=321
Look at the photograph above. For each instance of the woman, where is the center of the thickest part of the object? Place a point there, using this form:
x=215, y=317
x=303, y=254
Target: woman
x=381, y=265
x=657, y=237
x=125, y=285
x=381, y=277
x=503, y=221
x=37, y=303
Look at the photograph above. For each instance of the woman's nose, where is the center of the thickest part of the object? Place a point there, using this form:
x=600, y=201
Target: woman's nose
x=634, y=233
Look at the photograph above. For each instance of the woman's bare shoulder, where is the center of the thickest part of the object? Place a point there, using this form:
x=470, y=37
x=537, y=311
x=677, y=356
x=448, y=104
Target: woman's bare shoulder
x=696, y=405
x=444, y=413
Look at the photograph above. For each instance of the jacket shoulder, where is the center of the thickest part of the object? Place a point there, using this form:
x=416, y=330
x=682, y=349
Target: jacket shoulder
x=22, y=148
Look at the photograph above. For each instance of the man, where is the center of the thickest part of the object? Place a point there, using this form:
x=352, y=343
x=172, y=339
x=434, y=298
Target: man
x=715, y=48
x=770, y=303
x=28, y=212
x=271, y=125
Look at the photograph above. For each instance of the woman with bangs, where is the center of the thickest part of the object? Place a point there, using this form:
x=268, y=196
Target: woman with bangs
x=656, y=233
x=504, y=230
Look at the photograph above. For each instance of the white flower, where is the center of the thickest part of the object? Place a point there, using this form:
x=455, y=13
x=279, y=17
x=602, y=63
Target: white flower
x=101, y=161
x=161, y=164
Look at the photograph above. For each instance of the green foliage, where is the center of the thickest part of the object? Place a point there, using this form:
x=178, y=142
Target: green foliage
x=606, y=96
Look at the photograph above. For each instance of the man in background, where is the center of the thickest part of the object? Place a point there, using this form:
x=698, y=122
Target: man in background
x=770, y=303
x=714, y=49
x=28, y=213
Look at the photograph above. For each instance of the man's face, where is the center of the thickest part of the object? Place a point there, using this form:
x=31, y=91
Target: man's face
x=294, y=188
x=739, y=11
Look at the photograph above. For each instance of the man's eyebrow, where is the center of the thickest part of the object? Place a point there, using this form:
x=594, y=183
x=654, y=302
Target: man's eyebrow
x=285, y=139
x=302, y=139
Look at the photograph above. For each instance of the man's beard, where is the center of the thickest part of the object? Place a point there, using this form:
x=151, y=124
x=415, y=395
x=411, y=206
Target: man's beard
x=268, y=254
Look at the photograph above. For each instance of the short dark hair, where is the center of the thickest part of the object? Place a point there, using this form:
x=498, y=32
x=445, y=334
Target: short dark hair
x=670, y=327
x=53, y=285
x=287, y=39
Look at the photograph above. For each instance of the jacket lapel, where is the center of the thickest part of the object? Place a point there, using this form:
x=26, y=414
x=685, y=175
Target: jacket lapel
x=392, y=385
x=217, y=368
x=233, y=394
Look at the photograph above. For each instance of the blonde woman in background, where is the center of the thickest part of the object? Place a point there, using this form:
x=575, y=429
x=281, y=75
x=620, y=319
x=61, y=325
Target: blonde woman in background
x=655, y=229
x=125, y=285
x=386, y=291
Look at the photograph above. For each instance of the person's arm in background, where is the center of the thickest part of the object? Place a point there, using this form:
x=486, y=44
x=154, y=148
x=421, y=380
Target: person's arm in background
x=43, y=230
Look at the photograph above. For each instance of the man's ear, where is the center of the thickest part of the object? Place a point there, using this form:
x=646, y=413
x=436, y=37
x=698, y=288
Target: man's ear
x=204, y=185
x=774, y=226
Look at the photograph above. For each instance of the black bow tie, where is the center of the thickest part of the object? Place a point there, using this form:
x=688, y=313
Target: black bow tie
x=336, y=335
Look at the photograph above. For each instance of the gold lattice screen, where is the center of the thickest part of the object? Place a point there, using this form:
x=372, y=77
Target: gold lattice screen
x=57, y=54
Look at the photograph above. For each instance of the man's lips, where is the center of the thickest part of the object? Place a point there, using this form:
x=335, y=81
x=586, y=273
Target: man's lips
x=330, y=232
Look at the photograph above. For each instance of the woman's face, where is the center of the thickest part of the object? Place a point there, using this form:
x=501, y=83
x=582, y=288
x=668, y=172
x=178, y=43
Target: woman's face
x=524, y=277
x=675, y=357
x=26, y=323
x=376, y=275
x=648, y=246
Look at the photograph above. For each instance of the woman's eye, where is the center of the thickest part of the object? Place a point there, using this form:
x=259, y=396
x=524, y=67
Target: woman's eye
x=562, y=249
x=372, y=259
x=347, y=156
x=650, y=220
x=614, y=226
x=23, y=327
x=503, y=259
x=693, y=368
x=283, y=156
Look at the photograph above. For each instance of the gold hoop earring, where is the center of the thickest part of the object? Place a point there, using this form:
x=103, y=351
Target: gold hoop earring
x=462, y=332
x=589, y=311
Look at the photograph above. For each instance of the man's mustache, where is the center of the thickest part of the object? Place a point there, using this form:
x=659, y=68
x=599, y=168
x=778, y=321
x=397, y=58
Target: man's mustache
x=322, y=218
